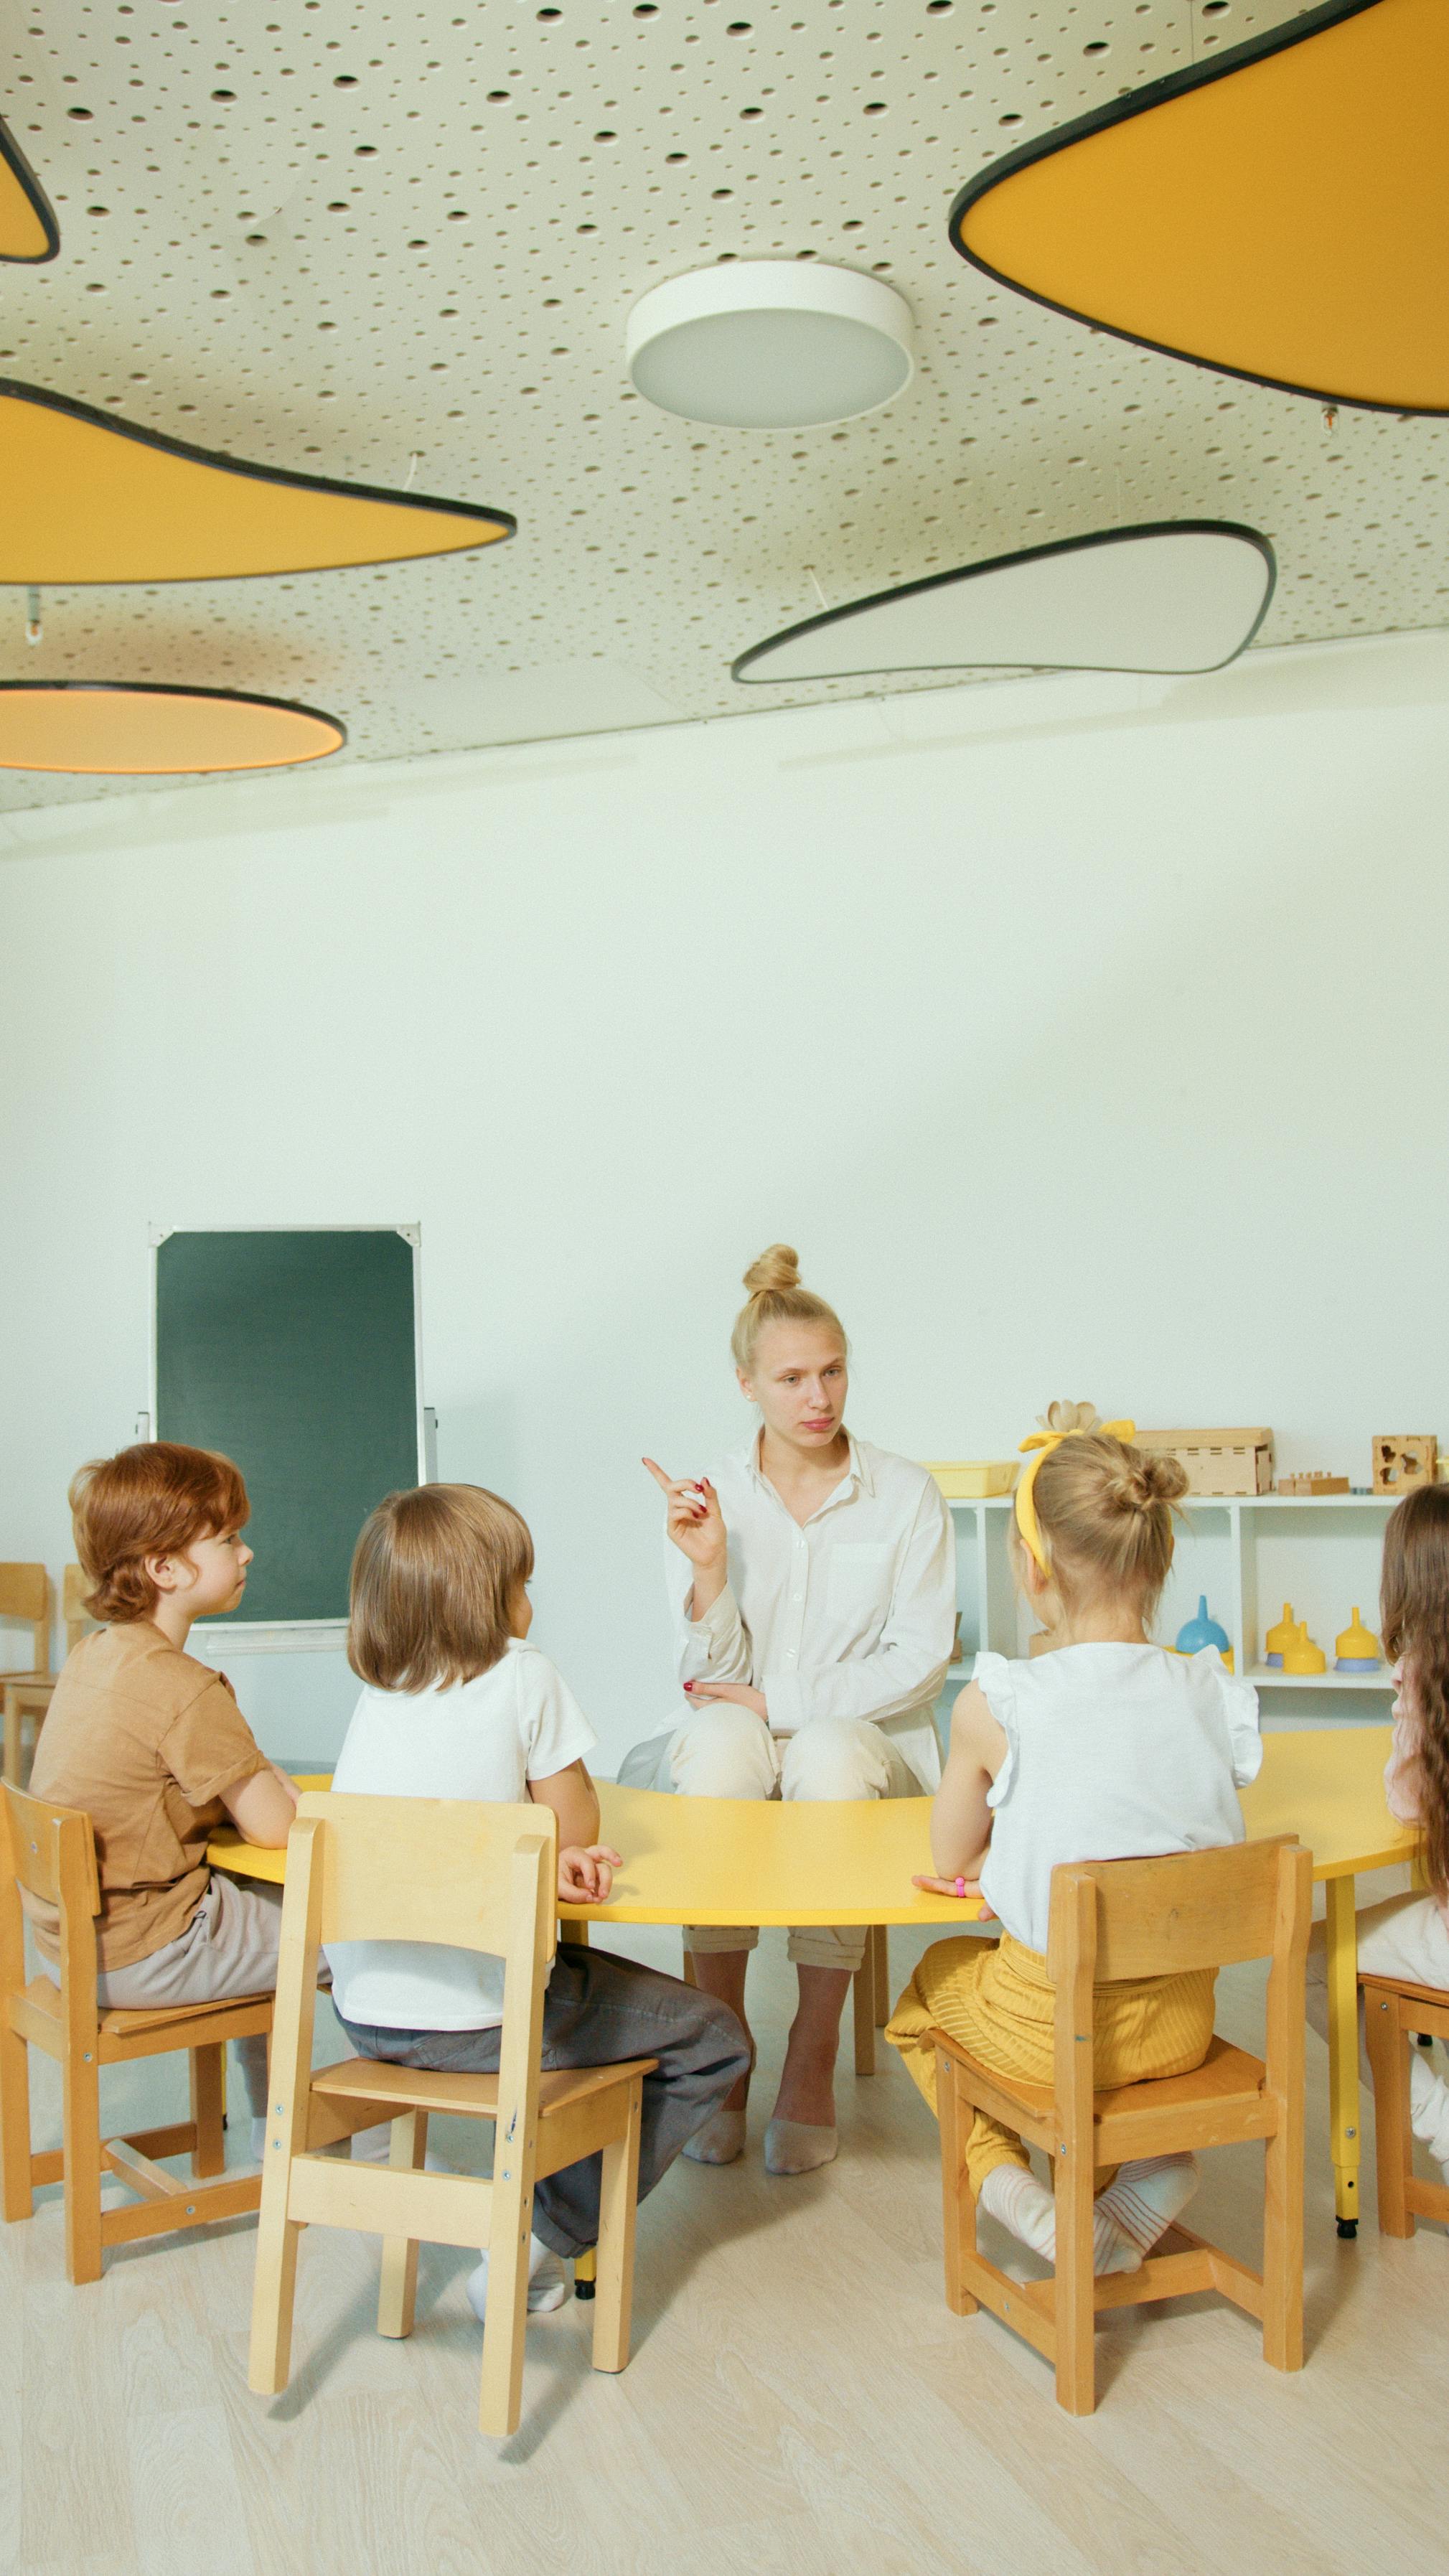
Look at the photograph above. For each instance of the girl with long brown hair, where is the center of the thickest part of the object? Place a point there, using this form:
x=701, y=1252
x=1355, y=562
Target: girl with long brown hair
x=1408, y=1936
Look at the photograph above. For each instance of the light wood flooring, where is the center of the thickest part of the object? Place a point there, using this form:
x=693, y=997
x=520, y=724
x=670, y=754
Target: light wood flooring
x=800, y=2402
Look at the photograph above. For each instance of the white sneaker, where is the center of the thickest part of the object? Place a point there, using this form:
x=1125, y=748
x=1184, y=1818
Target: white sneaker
x=547, y=2288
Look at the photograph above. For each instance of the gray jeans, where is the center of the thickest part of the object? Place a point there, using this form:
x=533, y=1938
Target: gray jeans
x=597, y=2010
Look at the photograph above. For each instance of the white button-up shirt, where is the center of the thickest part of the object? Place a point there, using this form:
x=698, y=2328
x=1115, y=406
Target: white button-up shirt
x=851, y=1615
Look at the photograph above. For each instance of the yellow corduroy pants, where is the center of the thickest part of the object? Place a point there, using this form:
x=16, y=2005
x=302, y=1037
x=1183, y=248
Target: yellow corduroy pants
x=999, y=2003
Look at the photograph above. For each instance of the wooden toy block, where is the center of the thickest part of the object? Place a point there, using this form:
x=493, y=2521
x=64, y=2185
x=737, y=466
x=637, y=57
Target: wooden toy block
x=1312, y=1482
x=1404, y=1460
x=1218, y=1463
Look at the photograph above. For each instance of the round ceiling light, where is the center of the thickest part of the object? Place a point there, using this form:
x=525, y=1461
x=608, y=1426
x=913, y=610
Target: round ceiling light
x=771, y=344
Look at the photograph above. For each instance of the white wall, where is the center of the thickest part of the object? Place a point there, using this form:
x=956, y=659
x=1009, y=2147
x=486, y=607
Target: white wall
x=1086, y=1036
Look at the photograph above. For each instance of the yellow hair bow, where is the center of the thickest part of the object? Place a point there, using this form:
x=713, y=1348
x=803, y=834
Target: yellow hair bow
x=1053, y=1432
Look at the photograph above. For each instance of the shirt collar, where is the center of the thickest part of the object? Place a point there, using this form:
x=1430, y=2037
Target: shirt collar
x=857, y=1471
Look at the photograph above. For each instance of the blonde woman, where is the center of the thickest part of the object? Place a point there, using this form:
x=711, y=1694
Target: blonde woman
x=814, y=1585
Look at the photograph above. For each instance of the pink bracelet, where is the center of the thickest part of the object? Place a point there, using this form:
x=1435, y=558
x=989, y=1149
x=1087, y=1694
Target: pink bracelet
x=960, y=1886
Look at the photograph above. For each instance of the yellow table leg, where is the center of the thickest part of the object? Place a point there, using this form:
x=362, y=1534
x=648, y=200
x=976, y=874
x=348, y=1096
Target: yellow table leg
x=1341, y=1930
x=586, y=2267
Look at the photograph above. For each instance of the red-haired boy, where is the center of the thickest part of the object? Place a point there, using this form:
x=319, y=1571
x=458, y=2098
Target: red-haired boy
x=152, y=1746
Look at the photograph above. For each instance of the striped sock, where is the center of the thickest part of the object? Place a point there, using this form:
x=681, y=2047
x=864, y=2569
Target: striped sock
x=1148, y=2195
x=1024, y=2206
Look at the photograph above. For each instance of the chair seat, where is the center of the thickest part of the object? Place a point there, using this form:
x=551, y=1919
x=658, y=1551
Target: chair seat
x=469, y=2097
x=1404, y=1986
x=47, y=1679
x=41, y=2000
x=1225, y=2092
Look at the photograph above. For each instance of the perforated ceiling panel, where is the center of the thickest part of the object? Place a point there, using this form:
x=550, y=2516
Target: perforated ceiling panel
x=407, y=246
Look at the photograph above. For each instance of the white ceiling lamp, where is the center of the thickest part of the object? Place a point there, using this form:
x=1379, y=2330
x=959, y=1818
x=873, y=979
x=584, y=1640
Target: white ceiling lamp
x=771, y=344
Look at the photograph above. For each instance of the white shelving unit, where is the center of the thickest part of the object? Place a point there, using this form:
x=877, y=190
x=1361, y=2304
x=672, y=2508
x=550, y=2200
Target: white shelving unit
x=1249, y=1553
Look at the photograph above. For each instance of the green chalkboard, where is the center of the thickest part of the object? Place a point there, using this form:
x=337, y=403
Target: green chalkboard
x=297, y=1355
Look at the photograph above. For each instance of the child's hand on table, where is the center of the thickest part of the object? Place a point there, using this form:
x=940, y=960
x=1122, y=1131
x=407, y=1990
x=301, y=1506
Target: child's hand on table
x=962, y=1887
x=585, y=1876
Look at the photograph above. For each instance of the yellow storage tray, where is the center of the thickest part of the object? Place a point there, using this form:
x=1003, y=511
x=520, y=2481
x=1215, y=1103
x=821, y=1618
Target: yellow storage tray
x=972, y=1479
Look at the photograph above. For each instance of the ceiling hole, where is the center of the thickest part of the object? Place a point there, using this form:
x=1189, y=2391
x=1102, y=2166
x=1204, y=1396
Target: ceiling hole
x=1098, y=45
x=877, y=107
x=79, y=115
x=98, y=210
x=345, y=80
x=1011, y=118
x=224, y=94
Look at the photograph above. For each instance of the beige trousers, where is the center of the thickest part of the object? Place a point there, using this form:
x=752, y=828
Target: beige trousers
x=726, y=1752
x=228, y=1948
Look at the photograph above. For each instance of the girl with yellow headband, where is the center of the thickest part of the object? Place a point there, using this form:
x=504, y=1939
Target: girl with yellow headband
x=1101, y=1746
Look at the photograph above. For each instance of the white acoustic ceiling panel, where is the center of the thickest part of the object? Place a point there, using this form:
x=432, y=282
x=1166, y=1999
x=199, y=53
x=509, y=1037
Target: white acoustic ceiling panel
x=1171, y=598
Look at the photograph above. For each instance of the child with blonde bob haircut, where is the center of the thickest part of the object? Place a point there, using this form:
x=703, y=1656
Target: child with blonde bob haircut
x=1102, y=1746
x=457, y=1703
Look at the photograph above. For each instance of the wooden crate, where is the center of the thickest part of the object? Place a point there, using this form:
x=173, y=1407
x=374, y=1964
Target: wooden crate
x=1218, y=1463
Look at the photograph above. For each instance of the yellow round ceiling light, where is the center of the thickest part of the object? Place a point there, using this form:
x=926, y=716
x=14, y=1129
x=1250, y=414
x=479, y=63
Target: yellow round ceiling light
x=92, y=498
x=141, y=729
x=1280, y=213
x=28, y=229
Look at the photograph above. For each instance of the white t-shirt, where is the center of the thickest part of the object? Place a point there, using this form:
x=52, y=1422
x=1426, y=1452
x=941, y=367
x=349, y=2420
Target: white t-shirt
x=1113, y=1753
x=482, y=1739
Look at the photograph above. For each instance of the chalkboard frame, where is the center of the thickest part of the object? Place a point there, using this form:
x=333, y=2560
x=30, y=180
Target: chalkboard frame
x=292, y=1636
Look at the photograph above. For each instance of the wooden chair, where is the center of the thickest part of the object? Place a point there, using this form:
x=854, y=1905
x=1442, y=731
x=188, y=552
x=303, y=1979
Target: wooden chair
x=51, y=1851
x=479, y=1878
x=29, y=1695
x=1394, y=2012
x=1113, y=1920
x=25, y=1600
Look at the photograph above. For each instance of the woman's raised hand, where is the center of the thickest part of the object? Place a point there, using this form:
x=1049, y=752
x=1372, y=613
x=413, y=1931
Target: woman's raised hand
x=694, y=1520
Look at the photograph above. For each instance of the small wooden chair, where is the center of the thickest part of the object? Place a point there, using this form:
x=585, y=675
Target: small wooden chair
x=51, y=1852
x=1394, y=2012
x=29, y=1695
x=478, y=1878
x=25, y=1600
x=1117, y=1920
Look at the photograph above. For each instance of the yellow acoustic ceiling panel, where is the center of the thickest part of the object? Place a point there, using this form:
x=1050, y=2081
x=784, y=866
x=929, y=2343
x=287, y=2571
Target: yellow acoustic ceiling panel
x=133, y=729
x=28, y=228
x=1281, y=213
x=92, y=498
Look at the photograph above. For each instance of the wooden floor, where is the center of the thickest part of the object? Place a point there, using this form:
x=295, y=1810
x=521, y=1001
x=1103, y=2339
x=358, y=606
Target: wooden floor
x=800, y=2402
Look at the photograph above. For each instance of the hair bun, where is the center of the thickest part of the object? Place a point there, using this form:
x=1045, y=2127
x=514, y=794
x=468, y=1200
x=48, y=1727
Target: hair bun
x=778, y=1268
x=1160, y=1477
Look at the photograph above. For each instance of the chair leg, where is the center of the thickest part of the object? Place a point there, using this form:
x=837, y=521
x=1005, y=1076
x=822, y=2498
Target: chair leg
x=397, y=2293
x=275, y=2280
x=958, y=2208
x=1393, y=2138
x=1283, y=2242
x=687, y=1971
x=618, y=2203
x=208, y=2155
x=1075, y=2303
x=863, y=1990
x=881, y=1945
x=19, y=2200
x=81, y=2095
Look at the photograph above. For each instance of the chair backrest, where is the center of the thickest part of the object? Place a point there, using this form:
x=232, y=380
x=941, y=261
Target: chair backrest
x=1159, y=1918
x=422, y=1869
x=51, y=1853
x=25, y=1596
x=75, y=1617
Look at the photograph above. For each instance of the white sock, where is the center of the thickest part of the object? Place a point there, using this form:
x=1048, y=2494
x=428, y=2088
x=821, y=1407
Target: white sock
x=1148, y=2195
x=542, y=2295
x=1429, y=2105
x=259, y=2137
x=1025, y=2207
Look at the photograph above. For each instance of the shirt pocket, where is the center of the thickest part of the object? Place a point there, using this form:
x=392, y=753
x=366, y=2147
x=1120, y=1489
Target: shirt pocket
x=858, y=1582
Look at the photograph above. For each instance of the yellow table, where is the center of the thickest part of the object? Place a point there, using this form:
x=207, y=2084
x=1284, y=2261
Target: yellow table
x=736, y=1860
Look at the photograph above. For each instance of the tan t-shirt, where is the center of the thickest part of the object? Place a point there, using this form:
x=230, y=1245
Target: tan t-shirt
x=144, y=1739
